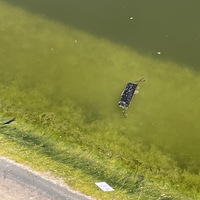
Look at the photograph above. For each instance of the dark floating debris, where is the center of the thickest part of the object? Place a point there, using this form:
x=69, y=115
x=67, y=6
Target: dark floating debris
x=9, y=121
x=127, y=95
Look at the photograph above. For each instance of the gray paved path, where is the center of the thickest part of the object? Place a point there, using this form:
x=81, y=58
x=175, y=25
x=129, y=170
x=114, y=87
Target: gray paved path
x=19, y=183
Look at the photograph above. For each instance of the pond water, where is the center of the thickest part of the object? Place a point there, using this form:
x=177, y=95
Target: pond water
x=87, y=51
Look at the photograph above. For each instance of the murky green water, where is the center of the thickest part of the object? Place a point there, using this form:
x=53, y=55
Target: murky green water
x=87, y=52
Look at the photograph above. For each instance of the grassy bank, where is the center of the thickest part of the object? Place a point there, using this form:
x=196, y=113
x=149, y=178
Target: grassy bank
x=63, y=85
x=64, y=147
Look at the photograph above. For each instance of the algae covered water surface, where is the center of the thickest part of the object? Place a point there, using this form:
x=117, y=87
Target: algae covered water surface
x=65, y=62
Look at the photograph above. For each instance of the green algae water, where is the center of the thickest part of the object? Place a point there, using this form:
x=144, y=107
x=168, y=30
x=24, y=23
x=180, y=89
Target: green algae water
x=59, y=51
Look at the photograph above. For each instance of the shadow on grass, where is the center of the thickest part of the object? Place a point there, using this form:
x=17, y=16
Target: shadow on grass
x=148, y=27
x=131, y=183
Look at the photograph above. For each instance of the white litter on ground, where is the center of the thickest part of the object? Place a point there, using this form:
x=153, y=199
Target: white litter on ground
x=104, y=186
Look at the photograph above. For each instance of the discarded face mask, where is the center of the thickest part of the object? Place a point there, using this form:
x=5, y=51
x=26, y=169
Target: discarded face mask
x=127, y=95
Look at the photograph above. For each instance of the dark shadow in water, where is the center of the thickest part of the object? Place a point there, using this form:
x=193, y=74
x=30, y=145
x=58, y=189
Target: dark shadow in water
x=163, y=29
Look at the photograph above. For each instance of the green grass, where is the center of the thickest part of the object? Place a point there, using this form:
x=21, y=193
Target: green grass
x=68, y=151
x=80, y=166
x=64, y=96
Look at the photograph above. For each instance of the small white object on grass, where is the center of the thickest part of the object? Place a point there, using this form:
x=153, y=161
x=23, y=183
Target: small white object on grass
x=104, y=186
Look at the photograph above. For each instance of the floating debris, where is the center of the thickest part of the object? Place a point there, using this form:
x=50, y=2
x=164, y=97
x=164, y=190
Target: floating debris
x=131, y=18
x=158, y=52
x=127, y=95
x=9, y=121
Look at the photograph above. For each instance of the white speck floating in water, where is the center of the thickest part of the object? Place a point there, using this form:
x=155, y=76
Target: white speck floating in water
x=104, y=186
x=158, y=52
x=76, y=41
x=136, y=92
x=131, y=18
